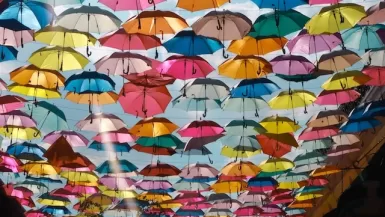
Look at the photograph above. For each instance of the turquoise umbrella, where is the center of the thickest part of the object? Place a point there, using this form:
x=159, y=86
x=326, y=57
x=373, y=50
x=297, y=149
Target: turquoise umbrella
x=278, y=23
x=49, y=117
x=116, y=166
x=309, y=158
x=239, y=142
x=61, y=2
x=244, y=128
x=364, y=37
x=196, y=104
x=165, y=141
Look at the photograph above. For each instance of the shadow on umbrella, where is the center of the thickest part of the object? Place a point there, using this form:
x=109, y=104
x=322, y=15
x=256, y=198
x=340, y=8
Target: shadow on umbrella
x=9, y=206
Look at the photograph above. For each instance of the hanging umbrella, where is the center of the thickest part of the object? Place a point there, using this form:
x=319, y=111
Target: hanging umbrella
x=120, y=5
x=316, y=144
x=305, y=43
x=336, y=97
x=89, y=81
x=327, y=118
x=151, y=78
x=242, y=168
x=165, y=141
x=74, y=138
x=34, y=15
x=292, y=65
x=292, y=99
x=121, y=40
x=34, y=91
x=281, y=5
x=374, y=15
x=244, y=128
x=254, y=88
x=185, y=67
x=374, y=57
x=121, y=136
x=160, y=170
x=242, y=105
x=278, y=23
x=8, y=53
x=100, y=122
x=115, y=147
x=245, y=67
x=376, y=74
x=200, y=129
x=60, y=36
x=312, y=133
x=338, y=60
x=23, y=133
x=10, y=102
x=345, y=80
x=195, y=5
x=17, y=118
x=355, y=126
x=196, y=104
x=32, y=75
x=364, y=37
x=335, y=18
x=205, y=88
x=279, y=124
x=143, y=101
x=55, y=210
x=123, y=63
x=248, y=45
x=59, y=59
x=152, y=127
x=13, y=33
x=26, y=151
x=89, y=19
x=116, y=166
x=276, y=165
x=277, y=145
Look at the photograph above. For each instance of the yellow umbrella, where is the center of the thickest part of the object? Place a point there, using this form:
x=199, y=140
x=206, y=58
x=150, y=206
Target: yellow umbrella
x=53, y=202
x=301, y=204
x=153, y=127
x=97, y=201
x=346, y=80
x=92, y=98
x=325, y=170
x=34, y=91
x=60, y=36
x=242, y=168
x=155, y=22
x=289, y=185
x=232, y=153
x=57, y=58
x=335, y=18
x=89, y=184
x=292, y=99
x=77, y=176
x=308, y=196
x=155, y=197
x=167, y=205
x=121, y=194
x=251, y=46
x=32, y=75
x=40, y=168
x=24, y=133
x=276, y=165
x=198, y=5
x=279, y=125
x=245, y=67
x=229, y=186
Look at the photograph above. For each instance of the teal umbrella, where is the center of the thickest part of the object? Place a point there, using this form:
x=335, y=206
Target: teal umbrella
x=309, y=158
x=49, y=117
x=242, y=105
x=278, y=23
x=196, y=104
x=116, y=166
x=293, y=177
x=364, y=37
x=165, y=141
x=61, y=2
x=317, y=144
x=244, y=128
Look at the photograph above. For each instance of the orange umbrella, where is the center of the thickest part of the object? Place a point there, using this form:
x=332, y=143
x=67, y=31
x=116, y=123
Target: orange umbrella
x=153, y=150
x=160, y=170
x=198, y=5
x=153, y=127
x=277, y=145
x=253, y=46
x=242, y=168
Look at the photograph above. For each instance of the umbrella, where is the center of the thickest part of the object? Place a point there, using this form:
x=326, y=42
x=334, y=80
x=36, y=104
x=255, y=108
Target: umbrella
x=8, y=53
x=364, y=37
x=122, y=135
x=101, y=122
x=153, y=127
x=317, y=144
x=34, y=15
x=338, y=60
x=34, y=91
x=205, y=88
x=195, y=5
x=279, y=124
x=120, y=5
x=292, y=99
x=336, y=97
x=279, y=4
x=242, y=105
x=55, y=210
x=196, y=104
x=74, y=138
x=89, y=19
x=244, y=128
x=306, y=43
x=245, y=67
x=17, y=118
x=60, y=36
x=374, y=15
x=200, y=129
x=26, y=151
x=121, y=40
x=374, y=57
x=151, y=78
x=327, y=118
x=248, y=46
x=123, y=63
x=164, y=141
x=32, y=75
x=292, y=65
x=355, y=126
x=242, y=168
x=10, y=102
x=23, y=133
x=13, y=33
x=89, y=81
x=277, y=145
x=160, y=170
x=312, y=133
x=116, y=166
x=112, y=146
x=375, y=73
x=345, y=80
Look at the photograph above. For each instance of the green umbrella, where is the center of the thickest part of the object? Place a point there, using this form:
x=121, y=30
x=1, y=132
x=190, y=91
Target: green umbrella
x=309, y=158
x=165, y=141
x=244, y=128
x=278, y=23
x=48, y=116
x=241, y=141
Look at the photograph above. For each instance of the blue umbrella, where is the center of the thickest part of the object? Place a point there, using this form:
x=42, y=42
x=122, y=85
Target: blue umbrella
x=55, y=210
x=110, y=166
x=26, y=151
x=7, y=53
x=199, y=179
x=161, y=191
x=116, y=147
x=364, y=37
x=262, y=182
x=189, y=44
x=43, y=179
x=254, y=88
x=358, y=125
x=281, y=5
x=35, y=15
x=189, y=212
x=89, y=82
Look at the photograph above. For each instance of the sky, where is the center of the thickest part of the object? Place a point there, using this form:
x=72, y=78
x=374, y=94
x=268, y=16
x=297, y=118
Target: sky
x=75, y=112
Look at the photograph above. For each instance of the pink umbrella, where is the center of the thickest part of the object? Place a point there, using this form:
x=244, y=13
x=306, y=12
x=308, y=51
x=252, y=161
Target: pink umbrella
x=79, y=189
x=336, y=97
x=375, y=14
x=250, y=196
x=121, y=63
x=9, y=103
x=62, y=192
x=282, y=199
x=3, y=85
x=305, y=43
x=121, y=40
x=339, y=150
x=248, y=211
x=35, y=213
x=75, y=139
x=227, y=204
x=159, y=211
x=10, y=163
x=101, y=122
x=147, y=185
x=201, y=129
x=198, y=170
x=318, y=2
x=292, y=65
x=120, y=136
x=115, y=182
x=377, y=75
x=197, y=205
x=272, y=210
x=13, y=38
x=189, y=197
x=313, y=133
x=150, y=78
x=144, y=101
x=346, y=139
x=183, y=67
x=124, y=5
x=19, y=192
x=17, y=118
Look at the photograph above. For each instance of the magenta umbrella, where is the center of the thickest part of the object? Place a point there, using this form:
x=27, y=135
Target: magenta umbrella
x=75, y=139
x=10, y=163
x=118, y=183
x=227, y=204
x=147, y=185
x=80, y=189
x=124, y=5
x=248, y=211
x=183, y=67
x=377, y=75
x=313, y=133
x=201, y=129
x=305, y=43
x=336, y=97
x=120, y=136
x=188, y=197
x=62, y=192
x=17, y=118
x=292, y=65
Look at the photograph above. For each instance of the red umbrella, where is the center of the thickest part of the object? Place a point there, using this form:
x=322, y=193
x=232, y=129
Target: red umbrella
x=201, y=129
x=150, y=78
x=159, y=170
x=377, y=74
x=277, y=145
x=144, y=101
x=313, y=133
x=121, y=40
x=336, y=97
x=62, y=192
x=154, y=150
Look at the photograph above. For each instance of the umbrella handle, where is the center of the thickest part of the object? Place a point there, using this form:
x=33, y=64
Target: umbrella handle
x=89, y=53
x=156, y=53
x=205, y=113
x=224, y=54
x=89, y=107
x=35, y=134
x=246, y=93
x=219, y=26
x=211, y=161
x=256, y=114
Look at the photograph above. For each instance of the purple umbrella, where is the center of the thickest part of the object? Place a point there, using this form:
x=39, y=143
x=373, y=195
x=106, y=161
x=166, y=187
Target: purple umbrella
x=114, y=182
x=73, y=138
x=153, y=184
x=16, y=118
x=292, y=65
x=305, y=43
